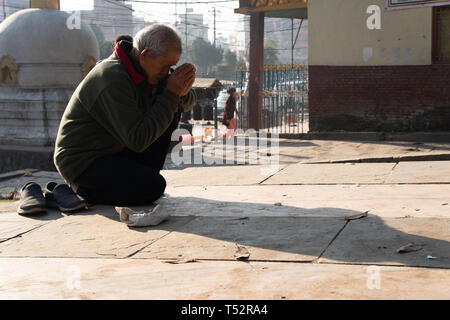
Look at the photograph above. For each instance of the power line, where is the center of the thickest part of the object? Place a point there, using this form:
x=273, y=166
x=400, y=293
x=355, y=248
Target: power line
x=128, y=23
x=202, y=26
x=163, y=13
x=119, y=4
x=280, y=49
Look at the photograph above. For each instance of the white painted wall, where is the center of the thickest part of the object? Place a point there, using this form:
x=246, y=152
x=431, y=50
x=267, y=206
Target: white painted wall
x=339, y=36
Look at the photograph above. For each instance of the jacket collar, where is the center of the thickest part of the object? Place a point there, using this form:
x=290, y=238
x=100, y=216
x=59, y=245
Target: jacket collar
x=122, y=50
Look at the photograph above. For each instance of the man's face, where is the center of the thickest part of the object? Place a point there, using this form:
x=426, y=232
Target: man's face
x=158, y=67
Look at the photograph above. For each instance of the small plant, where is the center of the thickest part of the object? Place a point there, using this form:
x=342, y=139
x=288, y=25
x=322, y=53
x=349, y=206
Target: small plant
x=13, y=195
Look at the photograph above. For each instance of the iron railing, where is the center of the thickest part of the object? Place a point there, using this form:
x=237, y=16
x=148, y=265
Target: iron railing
x=285, y=99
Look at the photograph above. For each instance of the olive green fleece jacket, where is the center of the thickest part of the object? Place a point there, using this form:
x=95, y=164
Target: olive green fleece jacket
x=110, y=111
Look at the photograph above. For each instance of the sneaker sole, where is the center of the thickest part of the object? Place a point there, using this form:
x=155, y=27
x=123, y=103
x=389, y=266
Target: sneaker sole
x=31, y=211
x=79, y=207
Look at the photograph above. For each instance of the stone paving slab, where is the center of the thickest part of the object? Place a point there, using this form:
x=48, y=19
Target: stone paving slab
x=375, y=241
x=324, y=150
x=265, y=238
x=13, y=225
x=87, y=234
x=311, y=200
x=218, y=175
x=421, y=172
x=294, y=151
x=352, y=173
x=52, y=278
x=8, y=206
x=427, y=200
x=395, y=159
x=11, y=229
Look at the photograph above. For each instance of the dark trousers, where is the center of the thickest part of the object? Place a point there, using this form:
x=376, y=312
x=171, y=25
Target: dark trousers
x=127, y=178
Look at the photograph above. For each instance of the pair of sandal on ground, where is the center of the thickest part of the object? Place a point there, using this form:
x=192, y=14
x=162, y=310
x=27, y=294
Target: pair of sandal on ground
x=33, y=200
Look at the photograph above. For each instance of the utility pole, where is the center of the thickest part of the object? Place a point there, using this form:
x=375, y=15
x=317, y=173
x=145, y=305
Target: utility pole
x=4, y=10
x=292, y=41
x=175, y=13
x=214, y=27
x=185, y=26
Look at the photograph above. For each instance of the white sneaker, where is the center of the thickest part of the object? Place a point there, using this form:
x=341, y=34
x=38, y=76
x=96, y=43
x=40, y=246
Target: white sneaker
x=143, y=218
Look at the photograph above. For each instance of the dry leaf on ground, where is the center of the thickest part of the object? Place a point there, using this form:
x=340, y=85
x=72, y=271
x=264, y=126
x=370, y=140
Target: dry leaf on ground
x=356, y=216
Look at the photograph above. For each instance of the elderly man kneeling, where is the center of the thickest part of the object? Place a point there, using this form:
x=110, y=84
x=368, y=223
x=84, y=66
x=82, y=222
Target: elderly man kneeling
x=116, y=130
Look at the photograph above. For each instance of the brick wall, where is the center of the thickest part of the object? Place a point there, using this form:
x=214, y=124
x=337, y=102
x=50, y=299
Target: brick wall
x=379, y=98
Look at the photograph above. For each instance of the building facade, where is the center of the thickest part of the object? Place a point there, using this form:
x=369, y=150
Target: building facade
x=139, y=23
x=112, y=18
x=191, y=26
x=370, y=68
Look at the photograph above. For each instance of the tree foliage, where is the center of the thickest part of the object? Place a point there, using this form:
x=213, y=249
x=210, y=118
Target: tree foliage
x=229, y=69
x=205, y=56
x=98, y=33
x=106, y=49
x=230, y=58
x=240, y=62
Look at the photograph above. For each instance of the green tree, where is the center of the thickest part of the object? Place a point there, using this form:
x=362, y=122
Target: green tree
x=205, y=55
x=240, y=63
x=229, y=69
x=271, y=52
x=106, y=49
x=230, y=58
x=98, y=33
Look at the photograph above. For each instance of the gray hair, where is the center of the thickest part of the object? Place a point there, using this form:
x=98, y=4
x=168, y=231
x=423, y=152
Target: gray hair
x=159, y=38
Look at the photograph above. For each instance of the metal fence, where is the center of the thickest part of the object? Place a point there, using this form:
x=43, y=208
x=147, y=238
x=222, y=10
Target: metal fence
x=285, y=99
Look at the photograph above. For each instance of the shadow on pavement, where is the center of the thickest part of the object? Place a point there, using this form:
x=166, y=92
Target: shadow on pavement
x=286, y=233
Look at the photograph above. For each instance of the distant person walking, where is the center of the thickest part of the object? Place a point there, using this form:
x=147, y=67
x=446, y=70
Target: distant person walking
x=228, y=116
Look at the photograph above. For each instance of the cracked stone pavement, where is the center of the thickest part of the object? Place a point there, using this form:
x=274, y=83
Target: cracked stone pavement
x=238, y=232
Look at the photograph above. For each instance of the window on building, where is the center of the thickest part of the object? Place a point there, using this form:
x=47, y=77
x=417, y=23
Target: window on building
x=441, y=38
